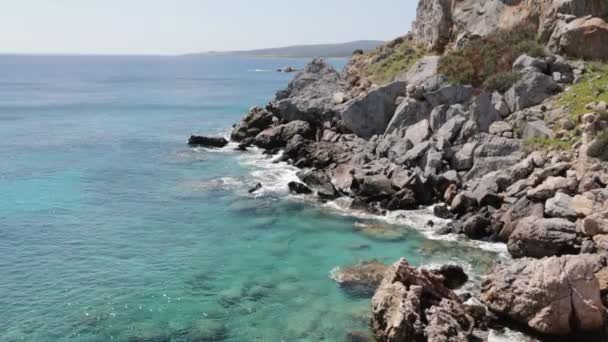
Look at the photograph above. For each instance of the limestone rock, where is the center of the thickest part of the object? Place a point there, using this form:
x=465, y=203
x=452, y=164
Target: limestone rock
x=553, y=296
x=372, y=114
x=360, y=280
x=539, y=237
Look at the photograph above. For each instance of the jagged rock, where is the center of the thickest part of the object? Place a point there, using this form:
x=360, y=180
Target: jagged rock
x=500, y=127
x=548, y=188
x=464, y=158
x=475, y=227
x=483, y=112
x=360, y=280
x=310, y=95
x=319, y=182
x=299, y=188
x=438, y=117
x=525, y=62
x=433, y=25
x=454, y=276
x=532, y=89
x=583, y=37
x=255, y=188
x=372, y=114
x=450, y=130
x=464, y=202
x=279, y=136
x=415, y=153
x=536, y=129
x=376, y=186
x=449, y=95
x=553, y=296
x=213, y=142
x=425, y=68
x=419, y=132
x=409, y=112
x=256, y=120
x=538, y=237
x=595, y=224
x=409, y=306
x=560, y=206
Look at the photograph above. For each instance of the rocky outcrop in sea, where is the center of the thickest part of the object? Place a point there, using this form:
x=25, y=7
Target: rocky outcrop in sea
x=424, y=140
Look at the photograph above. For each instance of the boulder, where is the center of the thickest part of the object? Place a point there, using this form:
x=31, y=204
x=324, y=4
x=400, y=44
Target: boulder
x=475, y=227
x=525, y=62
x=595, y=224
x=413, y=304
x=419, y=132
x=279, y=136
x=464, y=202
x=212, y=142
x=539, y=237
x=500, y=127
x=548, y=188
x=560, y=206
x=375, y=186
x=450, y=130
x=454, y=276
x=532, y=89
x=310, y=95
x=522, y=208
x=409, y=112
x=483, y=111
x=360, y=280
x=449, y=95
x=319, y=182
x=584, y=37
x=438, y=117
x=425, y=68
x=552, y=296
x=536, y=129
x=464, y=158
x=256, y=120
x=372, y=113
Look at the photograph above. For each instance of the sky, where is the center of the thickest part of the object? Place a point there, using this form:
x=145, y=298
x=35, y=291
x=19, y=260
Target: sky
x=185, y=26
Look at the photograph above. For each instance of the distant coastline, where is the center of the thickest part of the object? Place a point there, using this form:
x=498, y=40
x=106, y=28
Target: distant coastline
x=340, y=50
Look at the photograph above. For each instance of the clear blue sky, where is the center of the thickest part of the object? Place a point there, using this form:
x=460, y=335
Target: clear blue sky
x=182, y=26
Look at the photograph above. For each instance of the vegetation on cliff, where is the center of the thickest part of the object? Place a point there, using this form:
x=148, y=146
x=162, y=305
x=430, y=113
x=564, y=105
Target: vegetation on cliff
x=383, y=64
x=593, y=87
x=487, y=62
x=599, y=148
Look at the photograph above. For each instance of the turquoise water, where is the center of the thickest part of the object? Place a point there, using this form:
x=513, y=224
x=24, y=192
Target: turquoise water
x=111, y=228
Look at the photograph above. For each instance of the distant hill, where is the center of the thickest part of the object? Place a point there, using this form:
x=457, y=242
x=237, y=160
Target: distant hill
x=305, y=51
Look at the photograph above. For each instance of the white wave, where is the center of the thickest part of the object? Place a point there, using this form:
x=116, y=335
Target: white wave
x=259, y=70
x=268, y=171
x=509, y=336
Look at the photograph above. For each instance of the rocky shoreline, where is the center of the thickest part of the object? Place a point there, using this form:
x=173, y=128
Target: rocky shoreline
x=423, y=139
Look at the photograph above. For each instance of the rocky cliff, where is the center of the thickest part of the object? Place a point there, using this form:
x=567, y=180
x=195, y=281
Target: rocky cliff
x=563, y=24
x=516, y=164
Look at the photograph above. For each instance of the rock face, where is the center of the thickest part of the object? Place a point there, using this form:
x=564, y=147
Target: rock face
x=371, y=114
x=440, y=23
x=310, y=95
x=554, y=296
x=583, y=37
x=214, y=142
x=414, y=305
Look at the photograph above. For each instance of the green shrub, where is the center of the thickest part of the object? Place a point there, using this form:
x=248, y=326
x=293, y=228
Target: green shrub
x=484, y=58
x=599, y=148
x=501, y=82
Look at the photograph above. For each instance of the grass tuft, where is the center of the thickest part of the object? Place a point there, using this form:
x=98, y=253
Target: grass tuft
x=547, y=144
x=599, y=148
x=592, y=88
x=387, y=63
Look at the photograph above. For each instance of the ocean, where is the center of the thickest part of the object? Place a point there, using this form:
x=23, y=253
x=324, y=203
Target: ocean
x=113, y=229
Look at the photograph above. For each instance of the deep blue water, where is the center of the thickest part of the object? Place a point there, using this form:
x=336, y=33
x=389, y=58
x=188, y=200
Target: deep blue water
x=111, y=228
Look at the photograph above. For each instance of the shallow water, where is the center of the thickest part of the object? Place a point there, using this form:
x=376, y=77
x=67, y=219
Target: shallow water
x=112, y=229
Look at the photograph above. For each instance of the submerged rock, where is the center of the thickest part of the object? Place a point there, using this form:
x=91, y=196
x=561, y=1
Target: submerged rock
x=360, y=280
